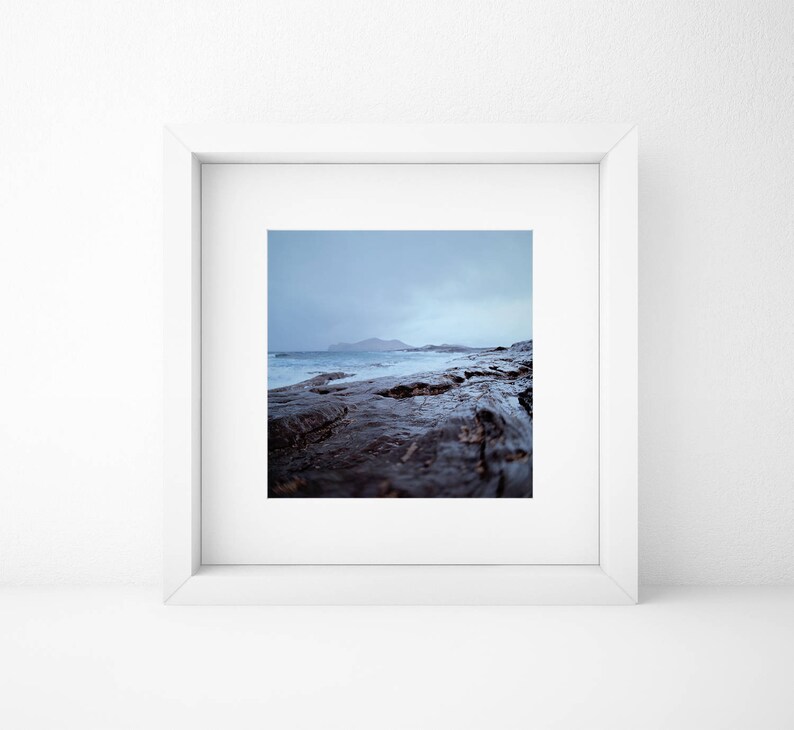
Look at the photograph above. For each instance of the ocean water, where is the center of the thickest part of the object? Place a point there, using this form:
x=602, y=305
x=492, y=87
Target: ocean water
x=288, y=368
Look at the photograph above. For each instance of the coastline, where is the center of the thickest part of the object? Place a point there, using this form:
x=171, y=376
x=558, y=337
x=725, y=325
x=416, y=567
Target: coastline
x=462, y=431
x=292, y=368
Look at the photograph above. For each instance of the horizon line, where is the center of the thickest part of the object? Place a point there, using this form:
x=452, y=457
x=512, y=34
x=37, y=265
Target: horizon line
x=409, y=347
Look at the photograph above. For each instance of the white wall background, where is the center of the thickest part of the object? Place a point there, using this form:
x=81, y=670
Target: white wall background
x=85, y=88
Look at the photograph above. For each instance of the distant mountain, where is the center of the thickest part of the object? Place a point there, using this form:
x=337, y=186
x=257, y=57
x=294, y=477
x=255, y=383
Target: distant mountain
x=447, y=348
x=373, y=344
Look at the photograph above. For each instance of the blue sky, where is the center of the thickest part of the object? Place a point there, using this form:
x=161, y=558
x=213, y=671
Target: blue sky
x=422, y=287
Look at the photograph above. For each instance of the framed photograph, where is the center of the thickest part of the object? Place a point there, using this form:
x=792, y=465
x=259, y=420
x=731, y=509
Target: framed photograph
x=401, y=364
x=381, y=417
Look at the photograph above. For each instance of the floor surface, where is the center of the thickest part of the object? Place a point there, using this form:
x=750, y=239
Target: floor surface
x=116, y=658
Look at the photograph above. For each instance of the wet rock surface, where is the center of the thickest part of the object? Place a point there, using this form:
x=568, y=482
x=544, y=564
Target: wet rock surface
x=462, y=432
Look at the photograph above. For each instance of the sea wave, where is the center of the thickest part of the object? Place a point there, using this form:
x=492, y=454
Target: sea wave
x=288, y=368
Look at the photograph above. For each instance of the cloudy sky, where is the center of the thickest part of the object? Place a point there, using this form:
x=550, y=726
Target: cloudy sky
x=422, y=287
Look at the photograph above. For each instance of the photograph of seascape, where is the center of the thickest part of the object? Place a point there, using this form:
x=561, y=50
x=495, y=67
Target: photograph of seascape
x=399, y=364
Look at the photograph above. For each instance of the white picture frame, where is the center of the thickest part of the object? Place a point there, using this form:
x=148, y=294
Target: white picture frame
x=614, y=579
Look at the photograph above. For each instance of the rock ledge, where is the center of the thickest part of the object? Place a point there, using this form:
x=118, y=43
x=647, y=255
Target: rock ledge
x=461, y=432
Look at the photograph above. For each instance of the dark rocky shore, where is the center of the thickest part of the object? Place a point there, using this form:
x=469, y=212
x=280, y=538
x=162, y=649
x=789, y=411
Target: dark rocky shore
x=461, y=432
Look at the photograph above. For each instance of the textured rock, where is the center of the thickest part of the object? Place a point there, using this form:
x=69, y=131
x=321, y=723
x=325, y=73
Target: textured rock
x=462, y=432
